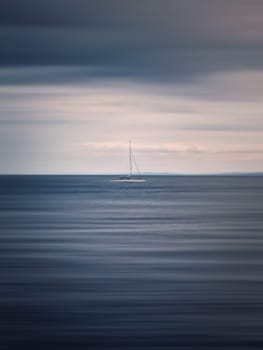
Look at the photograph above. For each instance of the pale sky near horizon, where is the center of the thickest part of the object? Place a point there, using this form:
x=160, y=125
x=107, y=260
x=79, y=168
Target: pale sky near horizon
x=182, y=79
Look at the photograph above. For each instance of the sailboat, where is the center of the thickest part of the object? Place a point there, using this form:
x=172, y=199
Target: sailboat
x=131, y=177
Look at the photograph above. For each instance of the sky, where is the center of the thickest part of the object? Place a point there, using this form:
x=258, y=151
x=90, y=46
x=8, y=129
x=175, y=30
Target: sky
x=183, y=79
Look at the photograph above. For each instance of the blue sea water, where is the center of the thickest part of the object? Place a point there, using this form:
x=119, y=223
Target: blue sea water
x=173, y=263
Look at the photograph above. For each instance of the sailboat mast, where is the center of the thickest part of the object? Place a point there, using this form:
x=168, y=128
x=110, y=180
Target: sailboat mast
x=130, y=157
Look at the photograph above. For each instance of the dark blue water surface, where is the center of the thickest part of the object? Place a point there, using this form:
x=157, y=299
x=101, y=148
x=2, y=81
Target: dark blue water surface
x=173, y=263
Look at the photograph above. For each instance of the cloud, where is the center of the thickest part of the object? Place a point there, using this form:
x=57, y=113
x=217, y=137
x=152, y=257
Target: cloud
x=118, y=147
x=212, y=124
x=218, y=102
x=166, y=40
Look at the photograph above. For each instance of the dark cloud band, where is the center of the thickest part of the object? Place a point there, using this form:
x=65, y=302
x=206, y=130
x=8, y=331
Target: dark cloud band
x=151, y=39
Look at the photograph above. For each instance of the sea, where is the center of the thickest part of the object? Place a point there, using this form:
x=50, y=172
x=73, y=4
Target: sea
x=172, y=263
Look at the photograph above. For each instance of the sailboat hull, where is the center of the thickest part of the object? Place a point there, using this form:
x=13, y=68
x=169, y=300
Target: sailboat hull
x=128, y=180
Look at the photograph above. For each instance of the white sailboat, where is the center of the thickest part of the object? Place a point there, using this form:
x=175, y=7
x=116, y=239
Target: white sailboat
x=131, y=177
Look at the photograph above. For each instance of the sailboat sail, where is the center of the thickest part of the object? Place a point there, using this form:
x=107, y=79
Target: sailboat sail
x=131, y=177
x=130, y=157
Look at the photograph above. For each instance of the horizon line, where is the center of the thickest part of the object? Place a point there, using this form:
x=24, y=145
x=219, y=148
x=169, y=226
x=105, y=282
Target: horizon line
x=234, y=173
